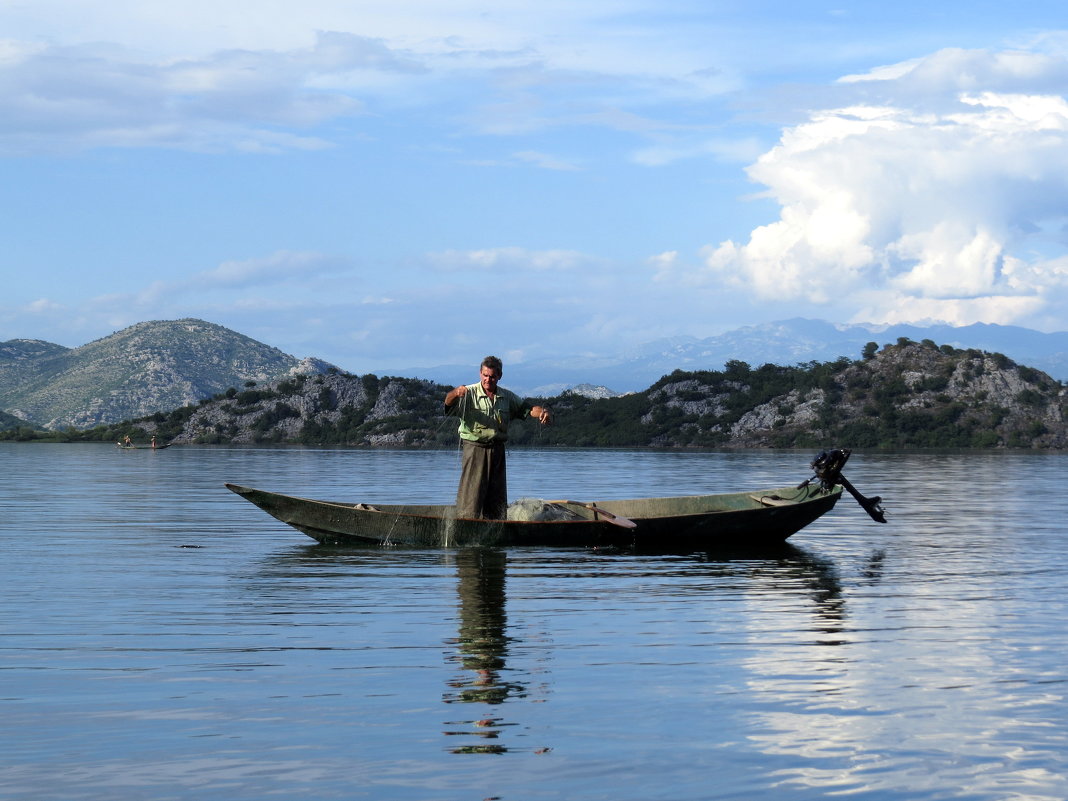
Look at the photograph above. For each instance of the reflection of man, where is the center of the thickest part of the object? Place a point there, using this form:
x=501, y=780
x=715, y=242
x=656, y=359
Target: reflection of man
x=485, y=410
x=482, y=649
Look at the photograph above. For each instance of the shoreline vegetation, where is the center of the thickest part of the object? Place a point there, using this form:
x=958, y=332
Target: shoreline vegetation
x=905, y=395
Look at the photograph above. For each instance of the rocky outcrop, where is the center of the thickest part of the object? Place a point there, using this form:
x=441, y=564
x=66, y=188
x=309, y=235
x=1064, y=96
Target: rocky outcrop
x=591, y=391
x=908, y=395
x=333, y=408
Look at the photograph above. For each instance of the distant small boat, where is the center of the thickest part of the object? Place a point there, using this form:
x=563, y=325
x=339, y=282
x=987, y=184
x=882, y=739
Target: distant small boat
x=142, y=447
x=741, y=519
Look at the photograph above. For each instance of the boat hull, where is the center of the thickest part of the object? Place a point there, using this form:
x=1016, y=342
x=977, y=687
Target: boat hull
x=691, y=522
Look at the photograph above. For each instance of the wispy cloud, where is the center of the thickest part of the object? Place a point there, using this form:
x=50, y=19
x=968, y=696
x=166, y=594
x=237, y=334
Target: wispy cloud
x=75, y=97
x=199, y=77
x=509, y=260
x=280, y=267
x=545, y=161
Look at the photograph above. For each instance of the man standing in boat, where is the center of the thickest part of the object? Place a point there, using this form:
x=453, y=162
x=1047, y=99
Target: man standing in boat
x=485, y=410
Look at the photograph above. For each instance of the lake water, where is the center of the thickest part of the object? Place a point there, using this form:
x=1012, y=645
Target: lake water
x=160, y=638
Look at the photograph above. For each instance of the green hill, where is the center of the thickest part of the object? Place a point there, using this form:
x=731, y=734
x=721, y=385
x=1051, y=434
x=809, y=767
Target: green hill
x=142, y=369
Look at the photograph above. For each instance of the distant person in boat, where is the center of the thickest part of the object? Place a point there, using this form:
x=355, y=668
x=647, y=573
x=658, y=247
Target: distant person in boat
x=153, y=442
x=485, y=410
x=127, y=442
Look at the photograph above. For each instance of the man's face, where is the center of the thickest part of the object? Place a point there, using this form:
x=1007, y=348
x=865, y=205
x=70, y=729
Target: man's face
x=489, y=380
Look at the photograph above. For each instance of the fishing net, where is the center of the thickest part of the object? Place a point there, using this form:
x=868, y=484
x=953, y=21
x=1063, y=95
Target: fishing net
x=537, y=509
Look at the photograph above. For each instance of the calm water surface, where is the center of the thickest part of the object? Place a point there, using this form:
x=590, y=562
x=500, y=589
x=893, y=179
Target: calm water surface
x=160, y=638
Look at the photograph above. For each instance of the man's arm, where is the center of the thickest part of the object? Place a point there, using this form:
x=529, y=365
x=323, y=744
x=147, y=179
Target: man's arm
x=453, y=394
x=542, y=413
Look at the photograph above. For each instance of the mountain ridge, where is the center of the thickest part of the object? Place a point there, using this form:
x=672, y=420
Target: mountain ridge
x=907, y=395
x=157, y=366
x=144, y=368
x=784, y=342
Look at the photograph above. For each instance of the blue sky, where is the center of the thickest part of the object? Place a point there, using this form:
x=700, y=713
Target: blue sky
x=406, y=183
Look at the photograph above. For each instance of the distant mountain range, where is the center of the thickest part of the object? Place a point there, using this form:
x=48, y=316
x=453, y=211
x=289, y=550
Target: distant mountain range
x=160, y=366
x=786, y=342
x=906, y=395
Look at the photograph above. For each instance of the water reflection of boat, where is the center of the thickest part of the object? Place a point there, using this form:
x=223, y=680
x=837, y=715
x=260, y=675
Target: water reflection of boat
x=496, y=661
x=769, y=570
x=485, y=681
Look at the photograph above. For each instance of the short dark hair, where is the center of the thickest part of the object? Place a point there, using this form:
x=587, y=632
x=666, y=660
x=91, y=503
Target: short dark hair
x=493, y=363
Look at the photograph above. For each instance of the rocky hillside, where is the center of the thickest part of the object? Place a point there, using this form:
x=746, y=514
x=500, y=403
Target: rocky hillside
x=146, y=368
x=331, y=408
x=905, y=395
x=16, y=352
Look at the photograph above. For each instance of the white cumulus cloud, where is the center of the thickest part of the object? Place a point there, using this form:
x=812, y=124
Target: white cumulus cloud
x=946, y=198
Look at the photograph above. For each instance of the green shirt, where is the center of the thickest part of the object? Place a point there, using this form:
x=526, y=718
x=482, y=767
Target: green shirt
x=485, y=419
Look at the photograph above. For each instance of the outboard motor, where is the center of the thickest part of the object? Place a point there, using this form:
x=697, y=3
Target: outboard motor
x=828, y=468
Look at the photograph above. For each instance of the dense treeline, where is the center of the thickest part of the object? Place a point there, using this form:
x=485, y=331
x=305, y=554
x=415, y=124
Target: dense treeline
x=907, y=395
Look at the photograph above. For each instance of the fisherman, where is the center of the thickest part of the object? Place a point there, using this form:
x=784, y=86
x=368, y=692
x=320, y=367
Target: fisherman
x=485, y=410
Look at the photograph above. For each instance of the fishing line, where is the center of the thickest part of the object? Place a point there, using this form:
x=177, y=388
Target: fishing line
x=459, y=442
x=436, y=430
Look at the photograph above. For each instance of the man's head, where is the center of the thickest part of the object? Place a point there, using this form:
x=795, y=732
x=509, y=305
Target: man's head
x=490, y=372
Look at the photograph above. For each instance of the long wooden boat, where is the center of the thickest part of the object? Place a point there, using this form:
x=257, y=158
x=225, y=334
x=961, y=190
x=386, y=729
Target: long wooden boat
x=742, y=519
